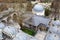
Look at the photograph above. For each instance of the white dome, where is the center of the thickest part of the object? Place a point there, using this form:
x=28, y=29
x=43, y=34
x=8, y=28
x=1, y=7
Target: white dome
x=55, y=29
x=52, y=37
x=57, y=22
x=38, y=8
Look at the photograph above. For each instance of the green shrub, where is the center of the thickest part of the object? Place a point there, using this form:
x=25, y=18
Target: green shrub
x=29, y=31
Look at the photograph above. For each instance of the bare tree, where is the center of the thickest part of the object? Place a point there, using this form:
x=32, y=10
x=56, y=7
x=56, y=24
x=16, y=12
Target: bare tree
x=29, y=6
x=56, y=6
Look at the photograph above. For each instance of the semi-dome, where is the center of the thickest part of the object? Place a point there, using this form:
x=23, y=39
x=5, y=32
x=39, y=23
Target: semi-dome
x=38, y=8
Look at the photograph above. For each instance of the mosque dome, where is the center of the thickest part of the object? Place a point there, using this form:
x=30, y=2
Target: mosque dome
x=38, y=8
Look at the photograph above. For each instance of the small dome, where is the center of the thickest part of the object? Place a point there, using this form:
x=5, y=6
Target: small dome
x=38, y=8
x=52, y=37
x=55, y=29
x=57, y=22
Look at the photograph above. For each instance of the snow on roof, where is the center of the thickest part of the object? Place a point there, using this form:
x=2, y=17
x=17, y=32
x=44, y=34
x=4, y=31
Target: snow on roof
x=36, y=20
x=2, y=25
x=20, y=36
x=52, y=36
x=57, y=22
x=14, y=24
x=10, y=31
x=23, y=36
